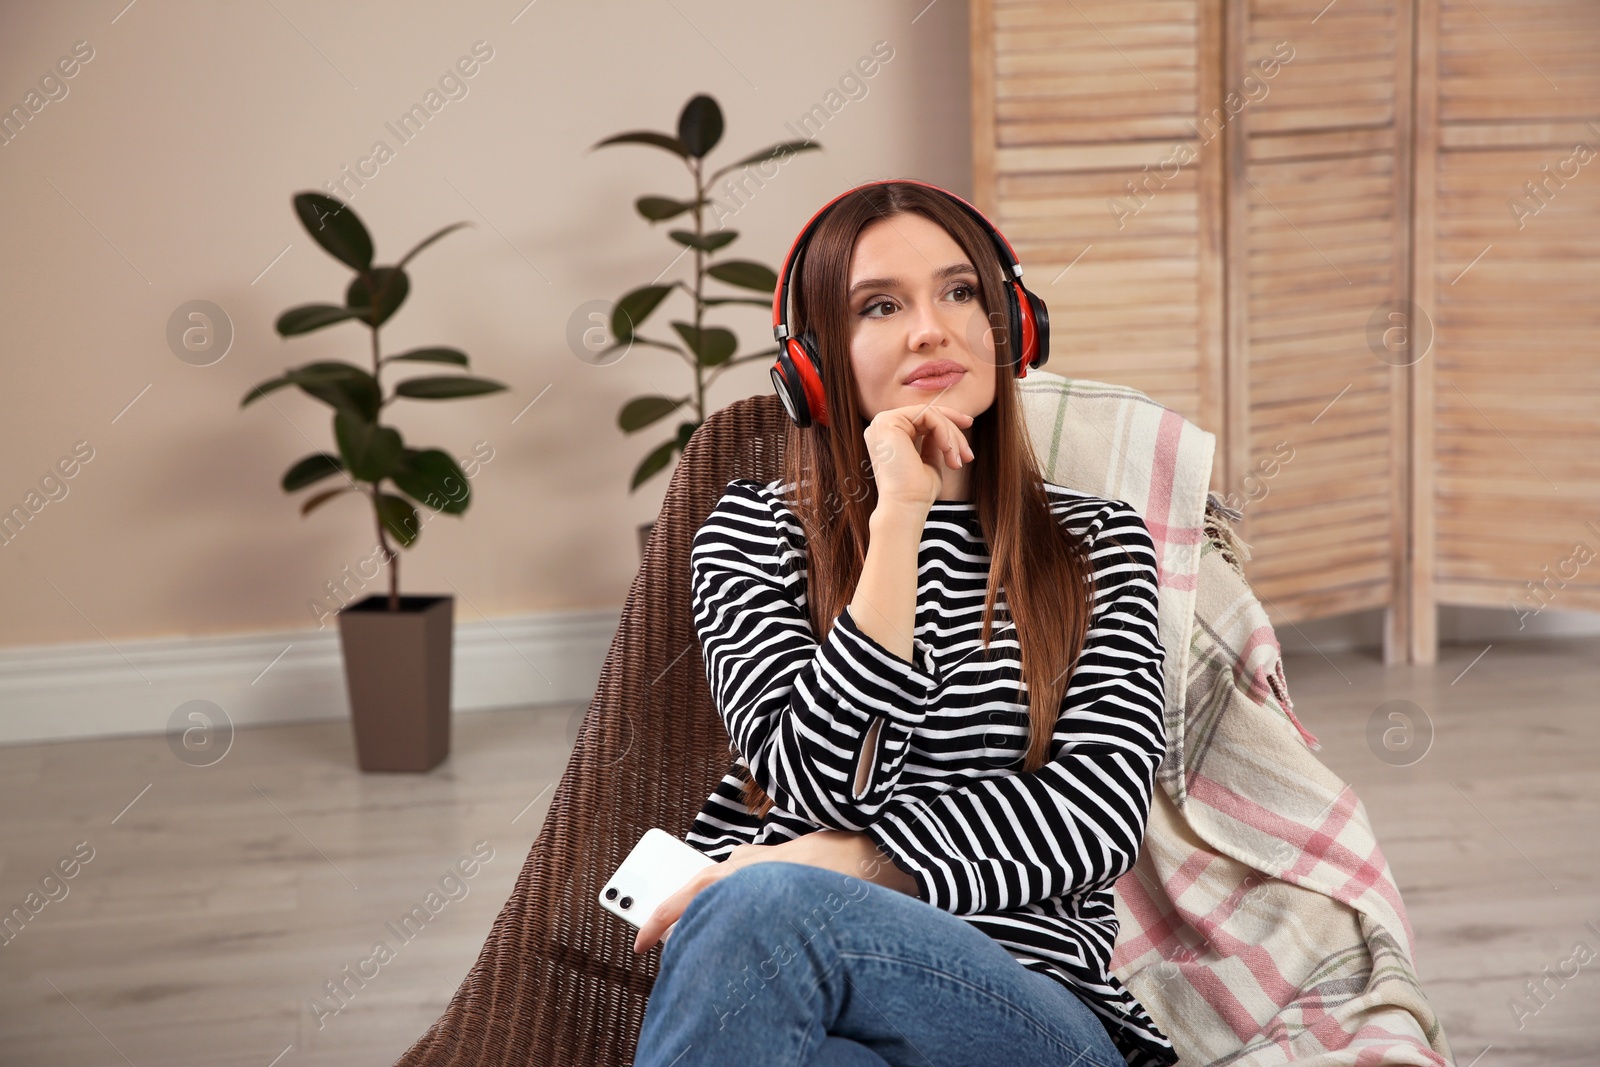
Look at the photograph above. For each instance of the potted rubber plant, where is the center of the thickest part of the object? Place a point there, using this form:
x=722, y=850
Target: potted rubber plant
x=708, y=349
x=397, y=649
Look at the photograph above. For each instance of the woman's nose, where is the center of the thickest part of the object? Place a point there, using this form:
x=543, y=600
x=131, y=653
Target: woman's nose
x=926, y=328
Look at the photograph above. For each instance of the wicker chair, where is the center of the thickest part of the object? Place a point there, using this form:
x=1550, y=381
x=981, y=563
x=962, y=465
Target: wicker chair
x=558, y=981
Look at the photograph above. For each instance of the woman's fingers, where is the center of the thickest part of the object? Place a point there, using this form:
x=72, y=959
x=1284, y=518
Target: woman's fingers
x=945, y=425
x=670, y=910
x=937, y=439
x=667, y=914
x=961, y=420
x=660, y=919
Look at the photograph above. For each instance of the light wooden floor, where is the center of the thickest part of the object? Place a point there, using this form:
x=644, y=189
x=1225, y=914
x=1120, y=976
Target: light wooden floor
x=217, y=906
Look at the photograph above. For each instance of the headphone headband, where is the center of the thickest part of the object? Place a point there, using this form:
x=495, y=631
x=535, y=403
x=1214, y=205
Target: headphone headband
x=780, y=298
x=797, y=373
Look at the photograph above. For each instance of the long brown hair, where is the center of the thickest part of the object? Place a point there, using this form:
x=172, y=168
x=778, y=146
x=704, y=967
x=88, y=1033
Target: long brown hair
x=1045, y=572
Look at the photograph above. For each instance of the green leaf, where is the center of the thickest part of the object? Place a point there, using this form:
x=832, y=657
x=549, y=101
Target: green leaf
x=343, y=386
x=378, y=293
x=649, y=137
x=745, y=274
x=446, y=387
x=641, y=411
x=777, y=151
x=711, y=345
x=660, y=208
x=308, y=317
x=634, y=308
x=430, y=355
x=430, y=477
x=399, y=518
x=370, y=451
x=317, y=500
x=685, y=431
x=700, y=125
x=333, y=225
x=658, y=458
x=263, y=388
x=755, y=301
x=312, y=468
x=709, y=243
x=426, y=241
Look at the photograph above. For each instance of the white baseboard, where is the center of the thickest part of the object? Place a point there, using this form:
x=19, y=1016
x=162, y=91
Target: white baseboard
x=92, y=689
x=1457, y=626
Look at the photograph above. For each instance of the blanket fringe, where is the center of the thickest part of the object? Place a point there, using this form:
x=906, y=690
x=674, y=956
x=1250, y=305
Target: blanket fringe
x=1280, y=689
x=1217, y=518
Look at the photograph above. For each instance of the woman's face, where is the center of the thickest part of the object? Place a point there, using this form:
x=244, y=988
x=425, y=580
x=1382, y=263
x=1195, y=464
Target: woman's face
x=913, y=301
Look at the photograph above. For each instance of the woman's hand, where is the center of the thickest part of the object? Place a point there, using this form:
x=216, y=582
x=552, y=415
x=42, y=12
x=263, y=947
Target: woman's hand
x=668, y=913
x=835, y=850
x=907, y=444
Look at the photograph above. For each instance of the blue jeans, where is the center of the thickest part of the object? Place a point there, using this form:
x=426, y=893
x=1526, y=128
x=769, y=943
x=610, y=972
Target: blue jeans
x=787, y=965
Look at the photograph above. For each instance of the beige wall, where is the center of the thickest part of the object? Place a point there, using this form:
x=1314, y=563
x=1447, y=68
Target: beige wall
x=164, y=174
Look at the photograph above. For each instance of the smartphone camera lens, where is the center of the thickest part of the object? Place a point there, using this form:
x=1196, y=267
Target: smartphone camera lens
x=626, y=903
x=611, y=892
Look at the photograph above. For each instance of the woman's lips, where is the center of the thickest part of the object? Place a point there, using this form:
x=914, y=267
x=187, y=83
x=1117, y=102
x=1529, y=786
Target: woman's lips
x=937, y=381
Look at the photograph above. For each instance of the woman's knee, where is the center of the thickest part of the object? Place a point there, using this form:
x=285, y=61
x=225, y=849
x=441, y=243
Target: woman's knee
x=758, y=922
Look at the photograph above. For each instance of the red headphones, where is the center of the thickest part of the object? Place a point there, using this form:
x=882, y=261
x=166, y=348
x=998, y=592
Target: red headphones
x=797, y=374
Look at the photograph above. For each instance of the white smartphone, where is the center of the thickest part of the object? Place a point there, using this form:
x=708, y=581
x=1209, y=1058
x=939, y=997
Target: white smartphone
x=658, y=866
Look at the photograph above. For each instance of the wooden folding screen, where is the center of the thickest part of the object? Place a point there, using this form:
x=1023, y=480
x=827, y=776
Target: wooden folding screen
x=1508, y=254
x=1216, y=198
x=1075, y=107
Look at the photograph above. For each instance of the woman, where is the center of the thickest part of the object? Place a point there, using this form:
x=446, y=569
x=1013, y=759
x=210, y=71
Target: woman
x=943, y=680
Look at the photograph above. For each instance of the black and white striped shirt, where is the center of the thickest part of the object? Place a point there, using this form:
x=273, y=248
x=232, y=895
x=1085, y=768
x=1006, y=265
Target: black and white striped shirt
x=1029, y=858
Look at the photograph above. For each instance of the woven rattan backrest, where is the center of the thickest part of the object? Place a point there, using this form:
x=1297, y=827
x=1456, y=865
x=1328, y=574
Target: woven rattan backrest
x=558, y=981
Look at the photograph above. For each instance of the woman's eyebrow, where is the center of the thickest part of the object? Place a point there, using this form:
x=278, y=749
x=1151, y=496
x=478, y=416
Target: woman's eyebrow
x=946, y=271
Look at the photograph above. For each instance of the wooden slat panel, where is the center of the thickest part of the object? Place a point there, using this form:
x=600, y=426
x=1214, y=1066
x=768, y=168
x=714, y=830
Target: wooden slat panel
x=1076, y=88
x=1287, y=519
x=1092, y=162
x=1513, y=271
x=1133, y=157
x=1320, y=242
x=1367, y=143
x=1495, y=111
x=1351, y=411
x=1513, y=62
x=1492, y=595
x=1287, y=587
x=1494, y=134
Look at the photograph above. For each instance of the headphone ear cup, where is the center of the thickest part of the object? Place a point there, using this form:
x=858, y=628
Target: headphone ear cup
x=797, y=382
x=1037, y=327
x=809, y=364
x=1018, y=337
x=783, y=373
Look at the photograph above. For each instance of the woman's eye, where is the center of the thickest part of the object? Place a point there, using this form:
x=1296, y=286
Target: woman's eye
x=962, y=294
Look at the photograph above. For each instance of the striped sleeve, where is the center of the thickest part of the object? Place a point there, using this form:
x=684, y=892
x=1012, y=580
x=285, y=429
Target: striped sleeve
x=800, y=713
x=994, y=844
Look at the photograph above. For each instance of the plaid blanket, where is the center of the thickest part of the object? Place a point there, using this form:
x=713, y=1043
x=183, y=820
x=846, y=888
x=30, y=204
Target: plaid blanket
x=1261, y=924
